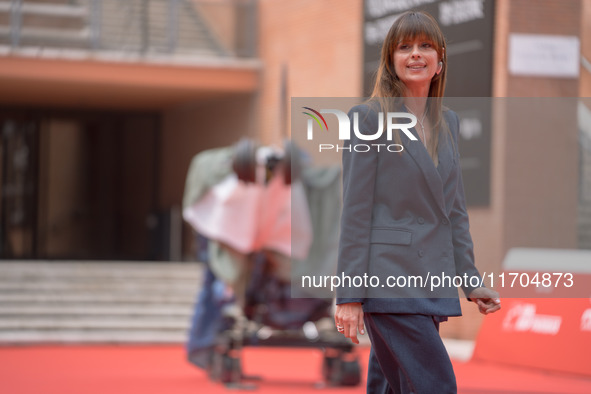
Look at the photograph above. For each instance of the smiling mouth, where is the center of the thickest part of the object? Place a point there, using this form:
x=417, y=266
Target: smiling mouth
x=417, y=67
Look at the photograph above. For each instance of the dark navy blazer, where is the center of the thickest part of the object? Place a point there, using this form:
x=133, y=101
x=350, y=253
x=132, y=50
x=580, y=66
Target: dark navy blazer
x=404, y=216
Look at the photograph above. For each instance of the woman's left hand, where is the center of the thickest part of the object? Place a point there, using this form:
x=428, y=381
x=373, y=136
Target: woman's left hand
x=488, y=300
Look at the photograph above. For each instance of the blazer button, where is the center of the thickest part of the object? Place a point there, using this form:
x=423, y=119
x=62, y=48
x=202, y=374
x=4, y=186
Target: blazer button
x=445, y=221
x=421, y=253
x=421, y=220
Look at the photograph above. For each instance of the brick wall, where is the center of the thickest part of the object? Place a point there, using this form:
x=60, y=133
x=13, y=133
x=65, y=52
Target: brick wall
x=585, y=81
x=554, y=17
x=319, y=45
x=308, y=48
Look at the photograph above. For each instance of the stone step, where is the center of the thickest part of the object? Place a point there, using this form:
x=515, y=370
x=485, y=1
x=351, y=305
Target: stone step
x=96, y=298
x=101, y=337
x=122, y=287
x=54, y=1
x=113, y=269
x=115, y=280
x=84, y=323
x=63, y=37
x=58, y=10
x=96, y=302
x=193, y=37
x=65, y=310
x=58, y=25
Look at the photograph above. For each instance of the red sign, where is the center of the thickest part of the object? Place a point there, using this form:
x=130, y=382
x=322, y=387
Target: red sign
x=547, y=333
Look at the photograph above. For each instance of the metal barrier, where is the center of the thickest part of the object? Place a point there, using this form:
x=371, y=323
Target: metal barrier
x=208, y=28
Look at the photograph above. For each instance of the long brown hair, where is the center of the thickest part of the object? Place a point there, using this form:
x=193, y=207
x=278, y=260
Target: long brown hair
x=408, y=26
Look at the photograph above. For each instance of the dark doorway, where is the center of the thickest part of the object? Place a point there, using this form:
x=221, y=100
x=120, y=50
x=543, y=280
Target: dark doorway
x=79, y=185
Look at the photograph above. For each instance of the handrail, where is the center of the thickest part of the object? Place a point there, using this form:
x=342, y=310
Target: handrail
x=15, y=21
x=187, y=27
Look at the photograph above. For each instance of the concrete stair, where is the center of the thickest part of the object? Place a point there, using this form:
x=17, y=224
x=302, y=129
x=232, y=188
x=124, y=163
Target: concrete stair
x=54, y=23
x=121, y=31
x=96, y=302
x=66, y=24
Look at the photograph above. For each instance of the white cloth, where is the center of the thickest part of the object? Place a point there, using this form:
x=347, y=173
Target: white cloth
x=251, y=216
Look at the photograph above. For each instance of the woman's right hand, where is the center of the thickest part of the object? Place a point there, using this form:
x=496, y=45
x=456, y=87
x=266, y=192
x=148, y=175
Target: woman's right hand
x=349, y=319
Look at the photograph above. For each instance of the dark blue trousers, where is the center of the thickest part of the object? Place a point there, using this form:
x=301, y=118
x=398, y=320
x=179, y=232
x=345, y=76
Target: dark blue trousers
x=407, y=355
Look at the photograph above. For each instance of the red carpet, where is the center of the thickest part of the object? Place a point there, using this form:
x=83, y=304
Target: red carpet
x=148, y=370
x=489, y=378
x=162, y=369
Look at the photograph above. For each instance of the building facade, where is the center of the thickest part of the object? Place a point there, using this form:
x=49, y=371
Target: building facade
x=102, y=109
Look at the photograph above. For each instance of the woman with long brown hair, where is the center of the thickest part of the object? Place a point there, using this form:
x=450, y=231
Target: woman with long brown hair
x=404, y=216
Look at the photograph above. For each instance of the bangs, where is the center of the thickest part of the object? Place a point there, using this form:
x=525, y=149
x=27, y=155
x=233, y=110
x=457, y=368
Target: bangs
x=417, y=25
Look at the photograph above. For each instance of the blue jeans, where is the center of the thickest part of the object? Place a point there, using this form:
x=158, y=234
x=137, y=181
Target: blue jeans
x=207, y=319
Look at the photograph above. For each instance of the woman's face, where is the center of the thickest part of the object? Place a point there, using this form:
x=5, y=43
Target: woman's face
x=416, y=61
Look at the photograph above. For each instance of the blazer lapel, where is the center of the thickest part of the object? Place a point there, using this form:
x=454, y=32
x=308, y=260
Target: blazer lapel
x=419, y=154
x=446, y=158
